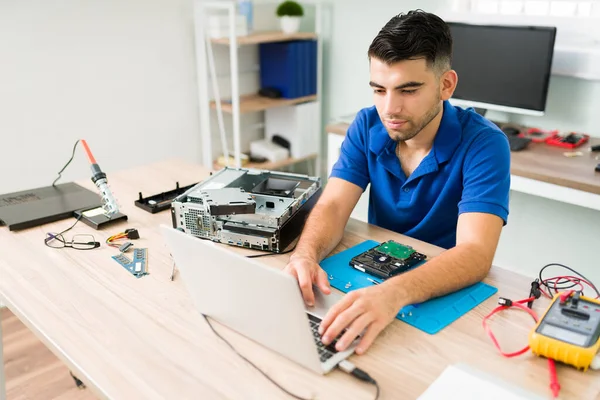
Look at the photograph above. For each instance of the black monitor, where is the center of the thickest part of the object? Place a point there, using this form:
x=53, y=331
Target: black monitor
x=504, y=68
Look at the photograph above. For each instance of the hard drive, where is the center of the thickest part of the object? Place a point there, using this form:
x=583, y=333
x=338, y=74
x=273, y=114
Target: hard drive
x=387, y=259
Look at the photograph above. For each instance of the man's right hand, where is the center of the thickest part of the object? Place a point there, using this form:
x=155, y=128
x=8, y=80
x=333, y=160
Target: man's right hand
x=308, y=272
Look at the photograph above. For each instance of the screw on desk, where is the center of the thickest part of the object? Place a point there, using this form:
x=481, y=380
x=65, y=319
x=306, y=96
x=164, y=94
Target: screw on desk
x=173, y=272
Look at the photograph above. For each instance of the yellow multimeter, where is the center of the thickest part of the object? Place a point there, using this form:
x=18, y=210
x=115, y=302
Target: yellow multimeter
x=569, y=331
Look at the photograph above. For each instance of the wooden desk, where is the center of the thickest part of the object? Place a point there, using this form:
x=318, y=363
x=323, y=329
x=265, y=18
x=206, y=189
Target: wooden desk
x=545, y=171
x=129, y=338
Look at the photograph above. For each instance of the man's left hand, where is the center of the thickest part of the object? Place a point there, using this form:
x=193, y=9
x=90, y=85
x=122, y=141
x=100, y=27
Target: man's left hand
x=371, y=308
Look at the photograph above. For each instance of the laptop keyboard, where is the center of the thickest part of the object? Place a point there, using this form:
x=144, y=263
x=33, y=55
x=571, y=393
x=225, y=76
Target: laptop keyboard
x=325, y=352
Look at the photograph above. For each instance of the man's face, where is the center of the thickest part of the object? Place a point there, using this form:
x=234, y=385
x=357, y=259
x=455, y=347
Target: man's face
x=407, y=96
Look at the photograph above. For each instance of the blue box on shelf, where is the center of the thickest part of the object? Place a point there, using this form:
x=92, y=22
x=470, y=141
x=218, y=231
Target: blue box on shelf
x=290, y=67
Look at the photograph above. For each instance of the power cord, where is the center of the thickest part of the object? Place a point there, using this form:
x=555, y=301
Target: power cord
x=344, y=365
x=351, y=369
x=131, y=233
x=250, y=362
x=67, y=164
x=78, y=382
x=271, y=254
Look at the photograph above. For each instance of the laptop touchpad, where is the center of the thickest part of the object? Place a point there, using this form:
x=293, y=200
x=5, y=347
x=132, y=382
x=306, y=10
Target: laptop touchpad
x=323, y=302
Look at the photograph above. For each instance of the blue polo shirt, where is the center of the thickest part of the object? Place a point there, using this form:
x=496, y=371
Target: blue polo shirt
x=467, y=170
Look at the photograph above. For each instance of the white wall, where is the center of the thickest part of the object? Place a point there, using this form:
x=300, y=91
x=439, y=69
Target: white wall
x=572, y=105
x=120, y=74
x=346, y=67
x=542, y=231
x=539, y=230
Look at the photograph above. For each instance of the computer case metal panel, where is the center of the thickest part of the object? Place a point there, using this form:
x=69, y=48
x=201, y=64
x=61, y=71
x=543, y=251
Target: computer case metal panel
x=259, y=209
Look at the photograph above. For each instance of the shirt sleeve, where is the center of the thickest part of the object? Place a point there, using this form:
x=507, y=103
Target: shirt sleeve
x=486, y=176
x=352, y=165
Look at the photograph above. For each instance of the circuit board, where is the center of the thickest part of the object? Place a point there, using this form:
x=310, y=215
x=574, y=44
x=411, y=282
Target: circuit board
x=387, y=259
x=396, y=250
x=138, y=267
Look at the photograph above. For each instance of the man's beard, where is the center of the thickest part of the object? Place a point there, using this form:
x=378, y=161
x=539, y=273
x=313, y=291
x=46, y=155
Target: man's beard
x=414, y=128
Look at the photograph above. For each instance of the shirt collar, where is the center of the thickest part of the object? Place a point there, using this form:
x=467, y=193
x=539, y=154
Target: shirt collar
x=449, y=134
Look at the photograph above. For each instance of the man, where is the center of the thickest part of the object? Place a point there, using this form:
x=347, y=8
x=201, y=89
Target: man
x=438, y=173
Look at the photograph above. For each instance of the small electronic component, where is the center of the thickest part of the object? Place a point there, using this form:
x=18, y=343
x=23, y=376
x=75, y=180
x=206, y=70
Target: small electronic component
x=569, y=140
x=569, y=330
x=138, y=267
x=387, y=259
x=130, y=233
x=125, y=246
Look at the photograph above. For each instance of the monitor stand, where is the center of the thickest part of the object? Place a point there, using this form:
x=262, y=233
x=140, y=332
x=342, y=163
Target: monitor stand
x=480, y=111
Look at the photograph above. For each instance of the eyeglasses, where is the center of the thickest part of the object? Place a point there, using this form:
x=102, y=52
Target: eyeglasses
x=78, y=242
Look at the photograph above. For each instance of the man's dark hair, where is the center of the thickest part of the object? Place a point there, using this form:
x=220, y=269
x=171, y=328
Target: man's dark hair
x=417, y=34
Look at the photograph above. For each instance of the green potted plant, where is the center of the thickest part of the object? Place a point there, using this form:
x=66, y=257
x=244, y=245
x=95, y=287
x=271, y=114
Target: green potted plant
x=290, y=13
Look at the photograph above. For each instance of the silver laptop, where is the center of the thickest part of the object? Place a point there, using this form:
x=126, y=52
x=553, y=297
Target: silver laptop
x=259, y=302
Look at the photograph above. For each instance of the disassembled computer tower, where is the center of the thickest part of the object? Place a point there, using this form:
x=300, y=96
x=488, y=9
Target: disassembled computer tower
x=258, y=209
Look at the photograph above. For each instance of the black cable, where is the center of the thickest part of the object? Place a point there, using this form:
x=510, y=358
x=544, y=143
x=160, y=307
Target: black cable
x=271, y=254
x=534, y=293
x=363, y=376
x=564, y=284
x=250, y=362
x=356, y=372
x=78, y=382
x=67, y=164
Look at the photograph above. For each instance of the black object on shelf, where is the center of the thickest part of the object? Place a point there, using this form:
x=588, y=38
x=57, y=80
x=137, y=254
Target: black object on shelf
x=257, y=159
x=281, y=141
x=162, y=201
x=515, y=142
x=270, y=92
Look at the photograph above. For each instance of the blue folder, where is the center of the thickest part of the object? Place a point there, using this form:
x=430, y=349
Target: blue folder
x=430, y=316
x=290, y=67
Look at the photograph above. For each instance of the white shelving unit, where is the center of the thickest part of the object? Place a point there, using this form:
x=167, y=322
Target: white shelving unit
x=240, y=103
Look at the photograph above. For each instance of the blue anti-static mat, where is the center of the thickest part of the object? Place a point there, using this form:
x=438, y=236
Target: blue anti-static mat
x=430, y=316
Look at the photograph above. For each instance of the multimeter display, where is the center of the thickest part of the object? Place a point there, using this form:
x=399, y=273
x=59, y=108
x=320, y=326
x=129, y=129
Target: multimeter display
x=575, y=322
x=564, y=335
